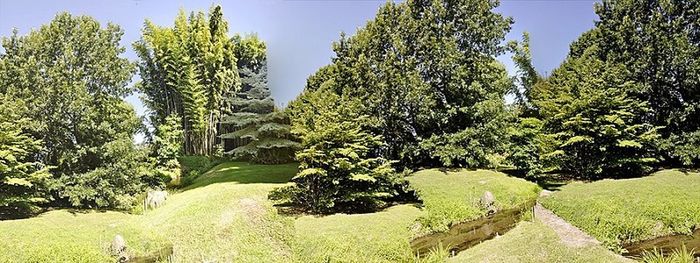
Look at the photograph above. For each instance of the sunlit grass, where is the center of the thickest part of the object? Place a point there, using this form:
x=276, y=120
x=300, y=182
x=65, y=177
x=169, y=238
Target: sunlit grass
x=534, y=242
x=629, y=210
x=453, y=196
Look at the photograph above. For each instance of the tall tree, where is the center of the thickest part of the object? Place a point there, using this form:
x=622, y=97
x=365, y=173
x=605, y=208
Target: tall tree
x=658, y=42
x=72, y=79
x=430, y=76
x=599, y=127
x=254, y=130
x=187, y=70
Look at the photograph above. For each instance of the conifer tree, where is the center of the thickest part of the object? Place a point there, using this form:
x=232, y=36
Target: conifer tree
x=254, y=130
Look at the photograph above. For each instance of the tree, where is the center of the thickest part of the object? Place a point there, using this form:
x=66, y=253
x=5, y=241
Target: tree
x=430, y=77
x=254, y=130
x=599, y=127
x=339, y=167
x=658, y=42
x=72, y=79
x=187, y=70
x=22, y=181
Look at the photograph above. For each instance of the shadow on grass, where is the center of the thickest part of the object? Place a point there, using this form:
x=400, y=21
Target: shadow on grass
x=245, y=173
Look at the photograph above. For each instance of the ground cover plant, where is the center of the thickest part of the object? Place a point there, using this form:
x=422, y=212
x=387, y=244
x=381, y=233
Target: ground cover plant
x=629, y=210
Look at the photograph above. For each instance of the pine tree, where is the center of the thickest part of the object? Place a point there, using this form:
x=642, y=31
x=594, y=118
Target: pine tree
x=254, y=129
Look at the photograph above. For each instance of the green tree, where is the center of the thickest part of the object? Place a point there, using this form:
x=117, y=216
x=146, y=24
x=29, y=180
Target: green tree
x=187, y=70
x=599, y=127
x=22, y=180
x=339, y=168
x=659, y=45
x=254, y=130
x=429, y=75
x=72, y=79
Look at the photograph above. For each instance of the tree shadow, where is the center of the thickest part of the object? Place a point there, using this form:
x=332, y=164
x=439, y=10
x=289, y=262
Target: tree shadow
x=245, y=173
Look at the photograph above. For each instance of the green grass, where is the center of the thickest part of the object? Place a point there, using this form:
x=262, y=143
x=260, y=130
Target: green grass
x=224, y=215
x=452, y=197
x=385, y=236
x=534, y=242
x=621, y=211
x=375, y=237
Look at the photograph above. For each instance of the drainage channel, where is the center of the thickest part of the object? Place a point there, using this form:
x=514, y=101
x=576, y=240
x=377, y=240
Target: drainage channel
x=468, y=234
x=666, y=244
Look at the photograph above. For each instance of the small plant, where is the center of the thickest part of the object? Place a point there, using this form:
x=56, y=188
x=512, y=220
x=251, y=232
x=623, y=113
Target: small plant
x=678, y=255
x=437, y=254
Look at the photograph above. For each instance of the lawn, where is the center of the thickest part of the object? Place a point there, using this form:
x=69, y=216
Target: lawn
x=452, y=196
x=225, y=215
x=448, y=197
x=534, y=242
x=622, y=211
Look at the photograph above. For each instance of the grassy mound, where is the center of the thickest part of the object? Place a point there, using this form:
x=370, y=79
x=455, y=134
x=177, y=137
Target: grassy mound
x=452, y=196
x=629, y=210
x=225, y=215
x=533, y=242
x=384, y=236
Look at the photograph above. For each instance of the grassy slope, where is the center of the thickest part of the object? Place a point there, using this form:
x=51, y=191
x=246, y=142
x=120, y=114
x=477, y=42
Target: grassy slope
x=451, y=197
x=224, y=215
x=616, y=211
x=385, y=236
x=533, y=242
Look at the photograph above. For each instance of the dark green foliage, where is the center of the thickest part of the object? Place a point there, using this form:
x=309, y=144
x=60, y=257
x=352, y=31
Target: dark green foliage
x=125, y=175
x=527, y=145
x=187, y=70
x=72, y=79
x=427, y=71
x=254, y=130
x=22, y=181
x=339, y=166
x=599, y=128
x=658, y=42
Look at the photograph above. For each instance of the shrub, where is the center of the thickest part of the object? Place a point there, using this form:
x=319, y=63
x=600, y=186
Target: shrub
x=339, y=168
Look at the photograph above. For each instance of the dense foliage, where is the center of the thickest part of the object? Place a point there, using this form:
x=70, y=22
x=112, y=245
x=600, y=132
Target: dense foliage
x=71, y=78
x=658, y=43
x=254, y=130
x=339, y=169
x=187, y=70
x=426, y=70
x=22, y=180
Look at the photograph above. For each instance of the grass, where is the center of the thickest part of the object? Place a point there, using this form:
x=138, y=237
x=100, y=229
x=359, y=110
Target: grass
x=534, y=242
x=622, y=211
x=374, y=237
x=384, y=236
x=452, y=197
x=224, y=215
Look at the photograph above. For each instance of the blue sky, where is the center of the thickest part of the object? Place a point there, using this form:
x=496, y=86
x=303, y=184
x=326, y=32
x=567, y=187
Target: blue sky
x=299, y=33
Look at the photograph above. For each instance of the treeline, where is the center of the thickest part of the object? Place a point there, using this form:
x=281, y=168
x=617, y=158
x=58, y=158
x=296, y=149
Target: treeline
x=420, y=85
x=66, y=133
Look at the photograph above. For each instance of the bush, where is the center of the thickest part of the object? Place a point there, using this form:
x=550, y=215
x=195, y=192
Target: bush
x=339, y=169
x=127, y=173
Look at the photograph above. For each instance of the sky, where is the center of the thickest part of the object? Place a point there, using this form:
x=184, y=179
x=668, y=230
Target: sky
x=299, y=33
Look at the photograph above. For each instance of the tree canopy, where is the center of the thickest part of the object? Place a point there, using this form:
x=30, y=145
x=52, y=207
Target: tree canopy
x=71, y=78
